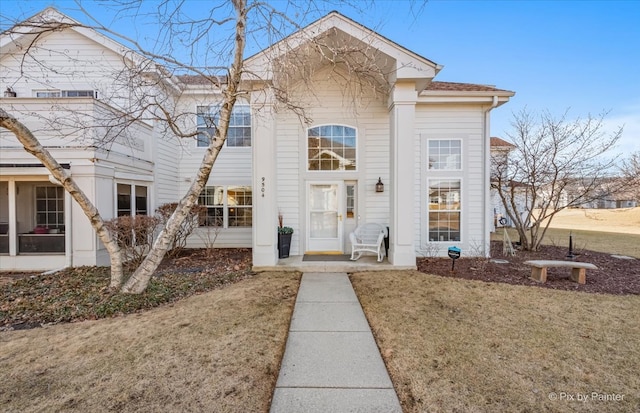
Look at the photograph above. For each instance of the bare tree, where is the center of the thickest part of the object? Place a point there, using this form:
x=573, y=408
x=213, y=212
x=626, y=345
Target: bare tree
x=556, y=164
x=630, y=172
x=147, y=87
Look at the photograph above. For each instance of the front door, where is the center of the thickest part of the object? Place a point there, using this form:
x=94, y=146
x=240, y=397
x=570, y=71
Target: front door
x=325, y=205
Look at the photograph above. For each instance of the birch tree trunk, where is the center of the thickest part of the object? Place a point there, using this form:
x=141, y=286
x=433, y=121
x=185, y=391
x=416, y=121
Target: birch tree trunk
x=138, y=282
x=33, y=146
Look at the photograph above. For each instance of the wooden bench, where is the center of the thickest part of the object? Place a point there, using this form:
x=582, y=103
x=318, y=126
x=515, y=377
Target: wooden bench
x=578, y=269
x=367, y=238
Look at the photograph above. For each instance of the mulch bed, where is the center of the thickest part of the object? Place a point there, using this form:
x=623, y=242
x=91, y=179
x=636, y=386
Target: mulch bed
x=29, y=300
x=613, y=276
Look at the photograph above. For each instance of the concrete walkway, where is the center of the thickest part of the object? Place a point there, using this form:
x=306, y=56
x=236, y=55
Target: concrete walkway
x=331, y=362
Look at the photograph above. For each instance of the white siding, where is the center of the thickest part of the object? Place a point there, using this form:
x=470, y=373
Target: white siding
x=65, y=60
x=232, y=167
x=463, y=122
x=328, y=100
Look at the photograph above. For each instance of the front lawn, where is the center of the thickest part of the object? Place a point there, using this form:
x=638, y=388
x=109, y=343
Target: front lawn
x=456, y=345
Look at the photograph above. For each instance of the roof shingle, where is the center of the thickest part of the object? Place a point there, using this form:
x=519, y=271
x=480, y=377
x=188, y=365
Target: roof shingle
x=461, y=87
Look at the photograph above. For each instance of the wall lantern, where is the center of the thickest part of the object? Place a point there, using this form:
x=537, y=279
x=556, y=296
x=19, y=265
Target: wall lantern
x=379, y=186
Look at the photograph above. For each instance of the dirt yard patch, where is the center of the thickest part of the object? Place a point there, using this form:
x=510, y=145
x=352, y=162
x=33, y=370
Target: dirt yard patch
x=621, y=220
x=218, y=351
x=454, y=345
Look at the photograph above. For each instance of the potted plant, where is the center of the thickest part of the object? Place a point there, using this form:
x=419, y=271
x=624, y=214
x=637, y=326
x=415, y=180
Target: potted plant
x=284, y=239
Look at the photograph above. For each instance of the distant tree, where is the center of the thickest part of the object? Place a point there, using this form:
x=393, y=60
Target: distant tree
x=630, y=171
x=555, y=164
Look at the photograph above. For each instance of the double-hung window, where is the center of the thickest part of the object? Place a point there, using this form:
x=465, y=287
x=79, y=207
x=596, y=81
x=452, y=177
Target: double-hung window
x=132, y=200
x=444, y=190
x=227, y=206
x=239, y=132
x=444, y=210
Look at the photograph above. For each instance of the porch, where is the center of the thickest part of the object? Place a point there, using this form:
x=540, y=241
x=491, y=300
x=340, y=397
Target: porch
x=33, y=222
x=364, y=264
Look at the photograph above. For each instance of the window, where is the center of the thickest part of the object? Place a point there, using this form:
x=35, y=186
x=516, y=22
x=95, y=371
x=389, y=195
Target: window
x=227, y=206
x=213, y=198
x=445, y=154
x=141, y=200
x=126, y=203
x=50, y=206
x=66, y=93
x=351, y=200
x=444, y=210
x=48, y=94
x=79, y=94
x=239, y=133
x=331, y=148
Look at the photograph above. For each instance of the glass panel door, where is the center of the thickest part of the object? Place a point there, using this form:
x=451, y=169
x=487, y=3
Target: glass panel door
x=325, y=217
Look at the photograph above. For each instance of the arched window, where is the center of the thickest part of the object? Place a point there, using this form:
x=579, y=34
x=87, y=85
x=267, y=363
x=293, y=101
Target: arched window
x=331, y=148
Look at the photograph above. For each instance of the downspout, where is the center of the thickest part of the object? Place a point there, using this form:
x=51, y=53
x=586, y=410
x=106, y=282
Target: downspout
x=488, y=219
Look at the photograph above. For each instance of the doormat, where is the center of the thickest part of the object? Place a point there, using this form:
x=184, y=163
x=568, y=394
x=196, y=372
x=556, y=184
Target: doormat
x=328, y=257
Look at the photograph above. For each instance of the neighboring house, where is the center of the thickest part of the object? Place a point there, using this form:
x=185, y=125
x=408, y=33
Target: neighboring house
x=500, y=150
x=610, y=194
x=427, y=141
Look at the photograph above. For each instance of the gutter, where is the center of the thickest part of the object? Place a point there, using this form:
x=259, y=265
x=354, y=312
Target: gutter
x=487, y=177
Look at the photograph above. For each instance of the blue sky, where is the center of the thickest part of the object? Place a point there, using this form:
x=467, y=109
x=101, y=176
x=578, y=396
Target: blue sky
x=583, y=56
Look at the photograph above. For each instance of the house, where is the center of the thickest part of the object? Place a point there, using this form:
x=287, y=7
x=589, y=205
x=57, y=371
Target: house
x=316, y=163
x=500, y=150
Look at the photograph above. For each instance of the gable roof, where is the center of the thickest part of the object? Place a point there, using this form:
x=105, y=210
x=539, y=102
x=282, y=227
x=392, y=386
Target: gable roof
x=49, y=20
x=399, y=62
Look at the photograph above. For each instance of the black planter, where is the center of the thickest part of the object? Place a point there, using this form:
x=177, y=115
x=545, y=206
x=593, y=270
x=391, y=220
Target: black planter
x=284, y=245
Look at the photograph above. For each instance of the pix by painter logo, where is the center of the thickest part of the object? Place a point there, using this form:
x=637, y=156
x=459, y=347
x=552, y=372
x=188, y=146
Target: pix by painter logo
x=586, y=397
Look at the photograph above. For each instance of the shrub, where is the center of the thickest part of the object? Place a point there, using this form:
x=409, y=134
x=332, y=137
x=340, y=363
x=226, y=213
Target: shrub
x=187, y=227
x=135, y=235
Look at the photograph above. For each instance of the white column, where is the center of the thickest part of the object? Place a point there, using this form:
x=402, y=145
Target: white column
x=13, y=219
x=68, y=224
x=402, y=163
x=265, y=212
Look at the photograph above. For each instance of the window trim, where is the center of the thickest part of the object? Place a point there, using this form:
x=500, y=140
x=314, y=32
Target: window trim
x=355, y=147
x=212, y=108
